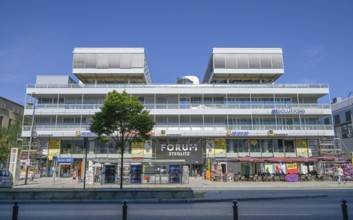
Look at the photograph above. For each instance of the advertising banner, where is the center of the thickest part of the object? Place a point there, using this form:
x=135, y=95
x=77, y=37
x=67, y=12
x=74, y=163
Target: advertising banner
x=210, y=147
x=54, y=148
x=137, y=149
x=220, y=147
x=43, y=147
x=179, y=149
x=174, y=173
x=136, y=172
x=280, y=168
x=147, y=148
x=268, y=168
x=312, y=145
x=292, y=168
x=302, y=148
x=13, y=162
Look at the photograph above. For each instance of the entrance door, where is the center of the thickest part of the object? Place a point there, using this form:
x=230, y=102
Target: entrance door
x=65, y=170
x=109, y=174
x=196, y=170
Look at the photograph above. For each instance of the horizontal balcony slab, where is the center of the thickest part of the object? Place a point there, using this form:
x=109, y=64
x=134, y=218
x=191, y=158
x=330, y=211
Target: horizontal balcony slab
x=163, y=132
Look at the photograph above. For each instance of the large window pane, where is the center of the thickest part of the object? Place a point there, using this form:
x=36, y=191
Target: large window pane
x=289, y=146
x=66, y=146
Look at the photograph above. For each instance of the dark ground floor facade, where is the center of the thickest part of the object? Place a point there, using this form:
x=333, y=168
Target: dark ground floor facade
x=172, y=160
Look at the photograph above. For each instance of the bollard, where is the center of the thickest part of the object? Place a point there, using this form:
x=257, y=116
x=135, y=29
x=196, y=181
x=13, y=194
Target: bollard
x=344, y=210
x=235, y=210
x=125, y=210
x=15, y=211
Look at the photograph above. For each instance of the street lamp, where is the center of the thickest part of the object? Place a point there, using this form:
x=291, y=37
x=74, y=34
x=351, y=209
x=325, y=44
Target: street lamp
x=28, y=162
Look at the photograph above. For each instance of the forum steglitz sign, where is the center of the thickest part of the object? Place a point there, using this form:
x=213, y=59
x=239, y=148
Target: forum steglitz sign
x=190, y=152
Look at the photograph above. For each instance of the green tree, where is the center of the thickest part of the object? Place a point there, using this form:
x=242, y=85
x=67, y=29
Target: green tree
x=124, y=120
x=8, y=138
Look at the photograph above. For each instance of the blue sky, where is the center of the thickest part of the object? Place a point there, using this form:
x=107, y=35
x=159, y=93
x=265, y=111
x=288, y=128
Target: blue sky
x=38, y=37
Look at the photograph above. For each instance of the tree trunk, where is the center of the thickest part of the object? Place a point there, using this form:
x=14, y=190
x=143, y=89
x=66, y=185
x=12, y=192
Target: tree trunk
x=121, y=168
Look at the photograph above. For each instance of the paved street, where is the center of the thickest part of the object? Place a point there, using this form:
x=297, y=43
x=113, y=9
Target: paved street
x=256, y=200
x=308, y=208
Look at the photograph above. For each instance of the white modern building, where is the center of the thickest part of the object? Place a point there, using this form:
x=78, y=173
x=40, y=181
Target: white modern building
x=237, y=111
x=343, y=125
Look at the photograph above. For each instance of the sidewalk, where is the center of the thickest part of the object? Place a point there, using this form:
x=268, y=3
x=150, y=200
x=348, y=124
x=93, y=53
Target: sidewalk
x=204, y=191
x=194, y=183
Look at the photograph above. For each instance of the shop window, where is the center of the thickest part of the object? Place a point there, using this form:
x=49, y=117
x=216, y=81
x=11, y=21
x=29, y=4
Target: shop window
x=278, y=146
x=78, y=147
x=289, y=146
x=100, y=148
x=112, y=148
x=231, y=146
x=254, y=146
x=266, y=146
x=66, y=146
x=243, y=146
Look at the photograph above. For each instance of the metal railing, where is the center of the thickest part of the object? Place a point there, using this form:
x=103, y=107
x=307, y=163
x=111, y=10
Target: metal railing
x=190, y=106
x=189, y=127
x=178, y=86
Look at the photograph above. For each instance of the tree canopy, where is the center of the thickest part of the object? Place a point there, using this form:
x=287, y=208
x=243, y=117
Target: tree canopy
x=123, y=119
x=8, y=138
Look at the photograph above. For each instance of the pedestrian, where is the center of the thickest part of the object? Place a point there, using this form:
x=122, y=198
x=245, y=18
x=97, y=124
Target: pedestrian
x=340, y=174
x=32, y=176
x=74, y=174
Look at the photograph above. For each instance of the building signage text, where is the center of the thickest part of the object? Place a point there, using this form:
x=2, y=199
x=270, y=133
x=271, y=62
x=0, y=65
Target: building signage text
x=85, y=133
x=65, y=160
x=237, y=133
x=272, y=132
x=287, y=111
x=179, y=149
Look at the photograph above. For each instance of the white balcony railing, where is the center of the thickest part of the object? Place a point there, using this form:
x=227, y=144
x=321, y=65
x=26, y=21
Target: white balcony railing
x=190, y=106
x=193, y=127
x=177, y=86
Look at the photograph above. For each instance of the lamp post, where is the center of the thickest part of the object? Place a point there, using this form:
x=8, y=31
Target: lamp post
x=28, y=162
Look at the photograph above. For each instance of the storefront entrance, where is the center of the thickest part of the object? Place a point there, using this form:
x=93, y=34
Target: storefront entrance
x=109, y=174
x=65, y=170
x=196, y=170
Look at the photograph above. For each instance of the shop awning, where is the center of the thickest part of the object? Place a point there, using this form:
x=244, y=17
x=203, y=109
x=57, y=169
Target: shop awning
x=330, y=158
x=303, y=160
x=248, y=159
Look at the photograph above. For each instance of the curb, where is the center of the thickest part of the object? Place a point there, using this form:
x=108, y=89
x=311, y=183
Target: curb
x=142, y=201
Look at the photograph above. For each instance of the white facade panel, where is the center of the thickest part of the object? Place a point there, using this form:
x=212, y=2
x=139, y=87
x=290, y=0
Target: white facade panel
x=107, y=71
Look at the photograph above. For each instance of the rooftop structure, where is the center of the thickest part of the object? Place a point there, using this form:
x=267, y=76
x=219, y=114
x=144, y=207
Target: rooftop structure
x=244, y=65
x=111, y=65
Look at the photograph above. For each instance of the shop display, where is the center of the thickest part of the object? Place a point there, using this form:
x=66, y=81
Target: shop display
x=126, y=174
x=174, y=173
x=135, y=173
